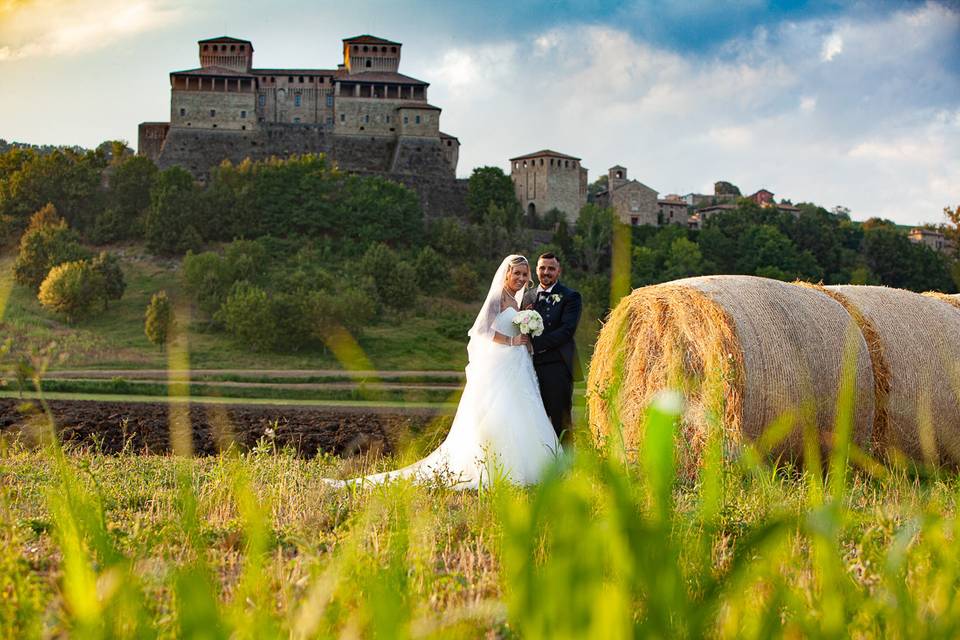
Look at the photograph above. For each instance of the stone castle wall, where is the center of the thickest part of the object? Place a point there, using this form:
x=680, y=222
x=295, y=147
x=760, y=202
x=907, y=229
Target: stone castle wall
x=419, y=163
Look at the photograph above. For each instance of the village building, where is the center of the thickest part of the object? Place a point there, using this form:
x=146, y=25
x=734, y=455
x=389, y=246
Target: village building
x=672, y=210
x=931, y=238
x=633, y=202
x=546, y=180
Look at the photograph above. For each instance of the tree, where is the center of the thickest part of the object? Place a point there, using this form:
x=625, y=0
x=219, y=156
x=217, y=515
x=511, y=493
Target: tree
x=114, y=283
x=598, y=185
x=159, y=319
x=47, y=242
x=724, y=188
x=490, y=185
x=172, y=206
x=72, y=289
x=594, y=232
x=247, y=316
x=898, y=262
x=67, y=179
x=683, y=260
x=130, y=180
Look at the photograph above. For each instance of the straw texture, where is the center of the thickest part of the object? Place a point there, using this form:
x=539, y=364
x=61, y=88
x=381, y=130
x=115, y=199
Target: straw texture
x=745, y=348
x=920, y=339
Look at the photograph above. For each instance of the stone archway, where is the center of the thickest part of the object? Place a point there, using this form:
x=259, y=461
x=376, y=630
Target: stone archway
x=532, y=210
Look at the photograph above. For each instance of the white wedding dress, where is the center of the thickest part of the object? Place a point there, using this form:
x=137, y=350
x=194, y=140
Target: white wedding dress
x=500, y=430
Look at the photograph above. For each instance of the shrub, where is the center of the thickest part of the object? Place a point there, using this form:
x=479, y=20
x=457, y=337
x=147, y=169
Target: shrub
x=72, y=289
x=47, y=242
x=247, y=316
x=431, y=269
x=159, y=320
x=464, y=282
x=114, y=283
x=395, y=281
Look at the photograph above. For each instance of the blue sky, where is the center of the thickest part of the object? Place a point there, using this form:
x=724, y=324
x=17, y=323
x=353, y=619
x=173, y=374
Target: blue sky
x=854, y=104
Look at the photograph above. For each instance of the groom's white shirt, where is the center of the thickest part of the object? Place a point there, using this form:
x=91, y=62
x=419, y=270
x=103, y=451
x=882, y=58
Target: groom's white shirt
x=548, y=289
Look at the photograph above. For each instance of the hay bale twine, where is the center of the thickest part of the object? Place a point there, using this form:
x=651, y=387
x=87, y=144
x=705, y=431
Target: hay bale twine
x=744, y=348
x=919, y=337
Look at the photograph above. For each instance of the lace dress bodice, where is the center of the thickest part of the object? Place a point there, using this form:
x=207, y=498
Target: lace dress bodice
x=503, y=323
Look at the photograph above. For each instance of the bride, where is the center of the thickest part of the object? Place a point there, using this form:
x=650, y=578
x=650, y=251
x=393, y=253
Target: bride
x=500, y=430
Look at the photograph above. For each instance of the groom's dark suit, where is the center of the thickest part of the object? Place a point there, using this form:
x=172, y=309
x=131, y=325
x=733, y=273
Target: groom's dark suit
x=555, y=353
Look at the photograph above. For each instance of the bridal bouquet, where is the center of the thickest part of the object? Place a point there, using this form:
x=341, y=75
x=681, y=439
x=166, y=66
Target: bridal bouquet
x=529, y=322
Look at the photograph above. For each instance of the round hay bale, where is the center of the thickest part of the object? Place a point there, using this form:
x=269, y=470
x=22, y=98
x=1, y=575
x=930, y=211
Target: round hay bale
x=749, y=350
x=951, y=299
x=881, y=369
x=920, y=340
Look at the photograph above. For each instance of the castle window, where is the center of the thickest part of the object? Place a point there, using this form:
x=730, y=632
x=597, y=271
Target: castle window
x=243, y=127
x=369, y=64
x=383, y=49
x=243, y=114
x=566, y=164
x=183, y=111
x=329, y=119
x=233, y=47
x=296, y=120
x=290, y=79
x=387, y=118
x=343, y=117
x=393, y=49
x=364, y=47
x=213, y=113
x=301, y=79
x=263, y=100
x=551, y=162
x=366, y=118
x=329, y=101
x=406, y=119
x=541, y=162
x=417, y=118
x=296, y=100
x=204, y=47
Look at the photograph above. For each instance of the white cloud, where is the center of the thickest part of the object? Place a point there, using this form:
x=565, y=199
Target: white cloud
x=867, y=130
x=51, y=27
x=832, y=47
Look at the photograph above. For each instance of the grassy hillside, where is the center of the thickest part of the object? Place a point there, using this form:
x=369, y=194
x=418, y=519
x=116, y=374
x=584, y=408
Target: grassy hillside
x=430, y=337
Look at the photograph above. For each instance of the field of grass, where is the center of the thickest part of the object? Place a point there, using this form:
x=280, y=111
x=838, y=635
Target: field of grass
x=430, y=337
x=258, y=546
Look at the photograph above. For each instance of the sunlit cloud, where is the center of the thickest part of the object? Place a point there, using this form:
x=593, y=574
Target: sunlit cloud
x=50, y=27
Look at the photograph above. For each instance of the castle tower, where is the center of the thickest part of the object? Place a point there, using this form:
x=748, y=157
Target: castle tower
x=227, y=53
x=370, y=53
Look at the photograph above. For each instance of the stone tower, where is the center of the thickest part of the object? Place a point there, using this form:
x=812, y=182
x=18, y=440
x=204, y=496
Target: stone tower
x=369, y=53
x=547, y=180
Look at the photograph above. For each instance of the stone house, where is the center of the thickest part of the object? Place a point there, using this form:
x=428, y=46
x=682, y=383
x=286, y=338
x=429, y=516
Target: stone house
x=634, y=202
x=672, y=210
x=931, y=238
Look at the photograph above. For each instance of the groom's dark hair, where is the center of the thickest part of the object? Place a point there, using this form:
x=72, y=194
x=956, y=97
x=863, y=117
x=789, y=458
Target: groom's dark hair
x=549, y=256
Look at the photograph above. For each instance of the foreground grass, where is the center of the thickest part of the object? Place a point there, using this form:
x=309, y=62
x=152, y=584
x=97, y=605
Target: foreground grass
x=258, y=546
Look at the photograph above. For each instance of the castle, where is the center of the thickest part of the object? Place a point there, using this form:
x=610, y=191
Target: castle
x=364, y=115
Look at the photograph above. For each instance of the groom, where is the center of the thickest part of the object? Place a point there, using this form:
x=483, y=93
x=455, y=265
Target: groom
x=554, y=351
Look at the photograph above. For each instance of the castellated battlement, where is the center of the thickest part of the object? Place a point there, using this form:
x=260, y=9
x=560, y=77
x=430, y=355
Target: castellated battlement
x=364, y=115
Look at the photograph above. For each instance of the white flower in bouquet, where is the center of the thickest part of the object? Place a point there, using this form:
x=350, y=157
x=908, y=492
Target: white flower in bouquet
x=529, y=322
